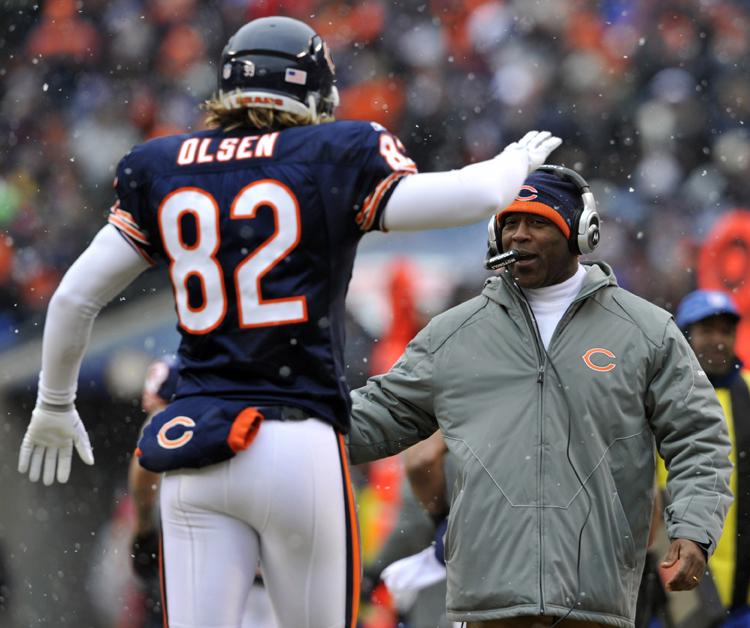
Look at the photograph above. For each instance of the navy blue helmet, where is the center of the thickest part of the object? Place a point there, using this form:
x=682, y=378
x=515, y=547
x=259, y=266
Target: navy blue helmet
x=278, y=63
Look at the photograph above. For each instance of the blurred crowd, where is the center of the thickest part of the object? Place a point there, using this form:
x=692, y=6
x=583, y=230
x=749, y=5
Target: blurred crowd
x=650, y=98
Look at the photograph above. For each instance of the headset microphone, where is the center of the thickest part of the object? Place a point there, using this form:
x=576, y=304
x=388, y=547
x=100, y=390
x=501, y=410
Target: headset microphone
x=502, y=260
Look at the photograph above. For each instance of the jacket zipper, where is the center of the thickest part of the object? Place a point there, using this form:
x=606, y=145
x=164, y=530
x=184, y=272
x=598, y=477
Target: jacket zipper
x=531, y=321
x=567, y=315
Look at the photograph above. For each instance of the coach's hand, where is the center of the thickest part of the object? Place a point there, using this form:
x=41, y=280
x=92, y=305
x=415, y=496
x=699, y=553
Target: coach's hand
x=688, y=562
x=49, y=441
x=537, y=145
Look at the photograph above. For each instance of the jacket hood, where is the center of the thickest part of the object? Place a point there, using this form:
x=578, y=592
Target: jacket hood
x=598, y=275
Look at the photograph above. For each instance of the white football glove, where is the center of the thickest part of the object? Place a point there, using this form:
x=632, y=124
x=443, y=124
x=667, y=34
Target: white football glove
x=537, y=145
x=49, y=440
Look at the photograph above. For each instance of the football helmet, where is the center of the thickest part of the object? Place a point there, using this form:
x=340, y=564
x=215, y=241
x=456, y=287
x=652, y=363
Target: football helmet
x=278, y=63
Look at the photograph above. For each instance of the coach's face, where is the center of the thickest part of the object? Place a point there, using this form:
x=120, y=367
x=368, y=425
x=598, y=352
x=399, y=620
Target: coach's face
x=545, y=258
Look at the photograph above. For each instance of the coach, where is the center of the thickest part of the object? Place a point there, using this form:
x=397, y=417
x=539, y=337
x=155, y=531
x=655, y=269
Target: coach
x=552, y=388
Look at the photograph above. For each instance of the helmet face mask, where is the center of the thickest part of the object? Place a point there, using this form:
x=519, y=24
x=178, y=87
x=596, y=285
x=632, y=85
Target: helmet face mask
x=278, y=63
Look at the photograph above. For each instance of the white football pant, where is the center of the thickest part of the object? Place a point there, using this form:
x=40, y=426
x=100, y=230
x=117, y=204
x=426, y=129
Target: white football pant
x=286, y=504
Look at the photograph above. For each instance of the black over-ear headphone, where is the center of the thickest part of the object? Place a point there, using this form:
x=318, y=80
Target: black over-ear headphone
x=585, y=234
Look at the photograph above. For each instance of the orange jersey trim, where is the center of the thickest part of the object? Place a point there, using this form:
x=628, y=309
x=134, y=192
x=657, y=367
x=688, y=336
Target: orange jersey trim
x=367, y=214
x=124, y=221
x=244, y=429
x=136, y=246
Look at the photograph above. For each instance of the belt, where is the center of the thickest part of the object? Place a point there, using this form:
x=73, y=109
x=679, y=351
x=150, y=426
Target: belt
x=283, y=413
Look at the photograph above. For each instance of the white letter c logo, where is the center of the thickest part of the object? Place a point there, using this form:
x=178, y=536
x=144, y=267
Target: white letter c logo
x=184, y=438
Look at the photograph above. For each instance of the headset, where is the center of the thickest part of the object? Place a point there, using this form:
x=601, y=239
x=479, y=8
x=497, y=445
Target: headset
x=584, y=236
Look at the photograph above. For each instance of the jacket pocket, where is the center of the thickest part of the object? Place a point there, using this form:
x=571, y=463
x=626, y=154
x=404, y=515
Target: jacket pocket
x=626, y=544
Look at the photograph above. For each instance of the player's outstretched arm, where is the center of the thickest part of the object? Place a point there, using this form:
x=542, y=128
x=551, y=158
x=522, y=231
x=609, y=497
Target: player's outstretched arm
x=460, y=197
x=102, y=271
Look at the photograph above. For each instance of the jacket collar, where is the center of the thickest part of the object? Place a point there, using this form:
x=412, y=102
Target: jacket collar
x=504, y=291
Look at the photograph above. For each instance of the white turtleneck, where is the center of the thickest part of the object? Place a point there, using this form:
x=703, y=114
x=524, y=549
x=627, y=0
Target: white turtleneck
x=550, y=303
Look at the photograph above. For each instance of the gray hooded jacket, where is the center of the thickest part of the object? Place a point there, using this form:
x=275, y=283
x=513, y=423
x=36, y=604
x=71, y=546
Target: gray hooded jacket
x=550, y=511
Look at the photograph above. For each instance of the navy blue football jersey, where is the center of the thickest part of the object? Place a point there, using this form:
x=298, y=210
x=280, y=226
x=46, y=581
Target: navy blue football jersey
x=259, y=232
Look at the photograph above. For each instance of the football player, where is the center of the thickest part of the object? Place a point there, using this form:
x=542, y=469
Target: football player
x=257, y=221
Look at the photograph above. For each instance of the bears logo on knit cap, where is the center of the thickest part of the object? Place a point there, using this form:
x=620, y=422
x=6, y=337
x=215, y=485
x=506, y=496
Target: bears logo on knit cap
x=545, y=194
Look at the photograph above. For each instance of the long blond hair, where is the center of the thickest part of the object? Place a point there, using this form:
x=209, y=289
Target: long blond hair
x=221, y=115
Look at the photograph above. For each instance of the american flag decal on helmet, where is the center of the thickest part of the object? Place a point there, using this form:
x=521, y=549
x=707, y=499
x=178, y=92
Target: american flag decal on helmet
x=299, y=77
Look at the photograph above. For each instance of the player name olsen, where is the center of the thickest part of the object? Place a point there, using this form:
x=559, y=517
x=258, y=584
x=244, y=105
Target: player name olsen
x=196, y=150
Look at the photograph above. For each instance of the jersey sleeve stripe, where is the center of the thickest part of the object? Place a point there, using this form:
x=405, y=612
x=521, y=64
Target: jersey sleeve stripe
x=126, y=219
x=133, y=232
x=126, y=216
x=372, y=200
x=134, y=243
x=369, y=210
